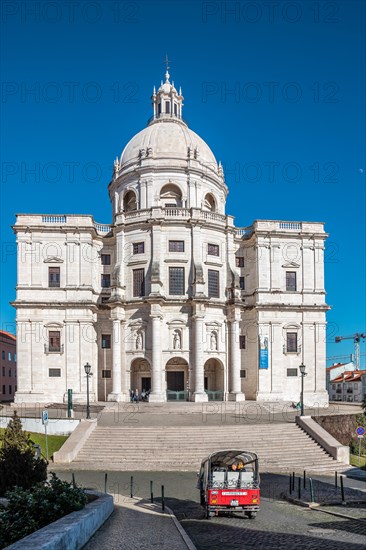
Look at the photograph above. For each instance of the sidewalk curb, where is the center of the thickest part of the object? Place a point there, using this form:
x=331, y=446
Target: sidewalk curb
x=181, y=530
x=183, y=533
x=337, y=514
x=317, y=507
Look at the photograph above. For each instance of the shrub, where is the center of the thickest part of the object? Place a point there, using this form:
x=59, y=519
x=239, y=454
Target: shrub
x=18, y=463
x=30, y=510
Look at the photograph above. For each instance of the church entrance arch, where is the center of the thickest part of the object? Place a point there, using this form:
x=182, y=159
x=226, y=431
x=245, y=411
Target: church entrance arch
x=176, y=376
x=214, y=379
x=140, y=375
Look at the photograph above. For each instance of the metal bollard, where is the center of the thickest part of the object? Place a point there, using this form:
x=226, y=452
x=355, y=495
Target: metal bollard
x=105, y=482
x=304, y=479
x=162, y=498
x=290, y=478
x=151, y=492
x=293, y=481
x=73, y=480
x=131, y=487
x=342, y=490
x=311, y=490
x=336, y=479
x=299, y=488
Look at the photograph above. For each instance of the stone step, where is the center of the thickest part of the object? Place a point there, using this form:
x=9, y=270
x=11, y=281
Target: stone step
x=279, y=447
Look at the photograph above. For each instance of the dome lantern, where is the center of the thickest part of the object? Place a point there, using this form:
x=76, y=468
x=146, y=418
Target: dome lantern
x=167, y=102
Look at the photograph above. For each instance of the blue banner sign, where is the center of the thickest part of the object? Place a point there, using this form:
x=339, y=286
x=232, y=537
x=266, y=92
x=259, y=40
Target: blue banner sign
x=263, y=352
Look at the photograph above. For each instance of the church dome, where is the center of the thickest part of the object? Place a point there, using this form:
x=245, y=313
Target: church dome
x=168, y=139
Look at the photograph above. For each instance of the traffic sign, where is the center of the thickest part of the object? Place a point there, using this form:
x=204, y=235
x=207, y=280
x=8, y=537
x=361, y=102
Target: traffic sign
x=45, y=416
x=360, y=430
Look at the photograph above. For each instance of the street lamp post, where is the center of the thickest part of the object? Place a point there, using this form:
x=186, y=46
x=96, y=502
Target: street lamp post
x=303, y=373
x=88, y=373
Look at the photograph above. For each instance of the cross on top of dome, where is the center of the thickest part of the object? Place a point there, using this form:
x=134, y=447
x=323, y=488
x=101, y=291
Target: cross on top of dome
x=167, y=102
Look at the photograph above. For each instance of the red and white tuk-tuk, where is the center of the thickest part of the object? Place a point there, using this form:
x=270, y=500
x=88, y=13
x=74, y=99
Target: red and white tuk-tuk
x=229, y=482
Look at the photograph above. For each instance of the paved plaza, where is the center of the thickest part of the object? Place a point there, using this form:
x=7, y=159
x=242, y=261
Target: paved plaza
x=279, y=524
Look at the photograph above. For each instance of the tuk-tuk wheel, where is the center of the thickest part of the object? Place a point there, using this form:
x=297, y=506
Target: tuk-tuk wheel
x=209, y=514
x=251, y=515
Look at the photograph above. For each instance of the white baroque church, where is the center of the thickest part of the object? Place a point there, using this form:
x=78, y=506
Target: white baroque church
x=171, y=296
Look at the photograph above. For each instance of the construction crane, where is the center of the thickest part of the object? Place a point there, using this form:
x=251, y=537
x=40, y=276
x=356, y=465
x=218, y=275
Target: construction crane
x=356, y=339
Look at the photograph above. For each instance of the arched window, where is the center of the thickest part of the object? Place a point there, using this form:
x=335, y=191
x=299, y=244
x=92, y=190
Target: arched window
x=129, y=201
x=209, y=203
x=171, y=196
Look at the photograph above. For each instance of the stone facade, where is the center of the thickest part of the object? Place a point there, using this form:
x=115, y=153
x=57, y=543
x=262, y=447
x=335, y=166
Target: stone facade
x=172, y=295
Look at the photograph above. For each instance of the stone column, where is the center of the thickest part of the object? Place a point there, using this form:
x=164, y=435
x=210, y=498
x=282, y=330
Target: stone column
x=199, y=375
x=235, y=356
x=117, y=394
x=156, y=395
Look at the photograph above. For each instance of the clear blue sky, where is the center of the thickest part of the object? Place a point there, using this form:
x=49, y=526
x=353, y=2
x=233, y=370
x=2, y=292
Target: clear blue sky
x=298, y=71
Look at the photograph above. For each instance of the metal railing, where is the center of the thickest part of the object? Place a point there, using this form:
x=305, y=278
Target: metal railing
x=166, y=116
x=53, y=349
x=215, y=395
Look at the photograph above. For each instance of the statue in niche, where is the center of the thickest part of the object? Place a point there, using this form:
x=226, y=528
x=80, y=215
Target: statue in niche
x=213, y=340
x=139, y=340
x=177, y=344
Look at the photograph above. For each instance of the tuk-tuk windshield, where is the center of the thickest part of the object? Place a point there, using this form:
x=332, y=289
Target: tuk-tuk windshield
x=232, y=469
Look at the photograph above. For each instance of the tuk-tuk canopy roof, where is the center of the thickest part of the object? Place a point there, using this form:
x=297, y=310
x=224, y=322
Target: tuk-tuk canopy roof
x=227, y=457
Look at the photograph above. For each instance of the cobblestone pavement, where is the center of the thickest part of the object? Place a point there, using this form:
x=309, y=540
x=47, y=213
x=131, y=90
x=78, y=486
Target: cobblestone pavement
x=279, y=525
x=137, y=524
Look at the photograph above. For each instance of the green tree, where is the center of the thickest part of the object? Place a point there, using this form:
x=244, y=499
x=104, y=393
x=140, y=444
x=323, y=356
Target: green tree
x=14, y=436
x=19, y=466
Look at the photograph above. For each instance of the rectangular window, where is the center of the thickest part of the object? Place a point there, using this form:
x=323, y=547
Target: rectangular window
x=176, y=246
x=9, y=356
x=106, y=280
x=213, y=249
x=291, y=372
x=170, y=205
x=54, y=340
x=9, y=373
x=105, y=259
x=242, y=283
x=243, y=373
x=3, y=354
x=175, y=109
x=291, y=281
x=291, y=346
x=54, y=277
x=138, y=282
x=54, y=373
x=242, y=342
x=14, y=357
x=106, y=373
x=106, y=341
x=4, y=389
x=10, y=390
x=159, y=108
x=239, y=261
x=167, y=107
x=3, y=371
x=176, y=280
x=104, y=299
x=213, y=284
x=138, y=248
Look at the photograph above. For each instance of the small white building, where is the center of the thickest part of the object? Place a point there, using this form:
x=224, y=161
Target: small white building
x=348, y=386
x=171, y=295
x=335, y=370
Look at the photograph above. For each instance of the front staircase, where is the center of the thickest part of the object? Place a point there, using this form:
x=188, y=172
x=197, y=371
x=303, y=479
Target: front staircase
x=280, y=447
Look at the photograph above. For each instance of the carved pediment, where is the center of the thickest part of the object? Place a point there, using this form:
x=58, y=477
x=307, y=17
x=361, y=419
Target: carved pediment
x=53, y=260
x=292, y=265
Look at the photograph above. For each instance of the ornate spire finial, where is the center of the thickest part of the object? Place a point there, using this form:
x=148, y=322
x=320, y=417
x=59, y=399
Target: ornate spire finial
x=166, y=61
